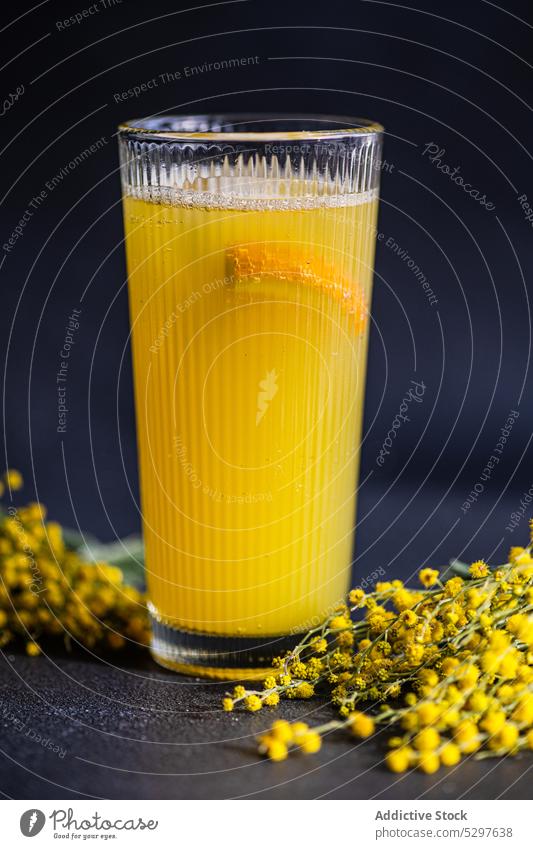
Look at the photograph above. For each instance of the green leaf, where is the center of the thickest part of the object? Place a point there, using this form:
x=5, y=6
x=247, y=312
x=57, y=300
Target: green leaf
x=457, y=567
x=127, y=554
x=113, y=552
x=75, y=540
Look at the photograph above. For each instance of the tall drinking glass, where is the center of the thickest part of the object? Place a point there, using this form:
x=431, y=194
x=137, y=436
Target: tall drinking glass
x=250, y=246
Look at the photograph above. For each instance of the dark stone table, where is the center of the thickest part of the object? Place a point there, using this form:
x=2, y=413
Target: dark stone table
x=73, y=726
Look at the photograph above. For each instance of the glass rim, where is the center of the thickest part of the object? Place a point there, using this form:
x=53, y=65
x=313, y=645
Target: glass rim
x=191, y=127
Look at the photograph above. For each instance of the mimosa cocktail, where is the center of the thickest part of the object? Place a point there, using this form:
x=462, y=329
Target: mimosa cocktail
x=249, y=300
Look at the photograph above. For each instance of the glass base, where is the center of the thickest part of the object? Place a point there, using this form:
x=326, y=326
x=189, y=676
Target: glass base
x=216, y=655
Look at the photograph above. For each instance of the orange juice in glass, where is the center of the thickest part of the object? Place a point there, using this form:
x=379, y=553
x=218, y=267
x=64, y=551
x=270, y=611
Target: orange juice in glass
x=250, y=247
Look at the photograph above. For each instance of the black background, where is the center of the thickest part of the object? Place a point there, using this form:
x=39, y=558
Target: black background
x=456, y=74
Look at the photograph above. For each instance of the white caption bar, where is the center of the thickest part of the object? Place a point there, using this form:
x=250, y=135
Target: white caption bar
x=266, y=824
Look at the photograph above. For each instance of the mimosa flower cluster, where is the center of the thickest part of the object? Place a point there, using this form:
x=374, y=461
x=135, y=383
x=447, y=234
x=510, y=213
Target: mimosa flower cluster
x=446, y=669
x=48, y=590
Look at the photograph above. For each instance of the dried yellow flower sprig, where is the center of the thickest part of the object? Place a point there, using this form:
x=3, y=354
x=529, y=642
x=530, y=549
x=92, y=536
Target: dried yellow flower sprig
x=47, y=590
x=447, y=667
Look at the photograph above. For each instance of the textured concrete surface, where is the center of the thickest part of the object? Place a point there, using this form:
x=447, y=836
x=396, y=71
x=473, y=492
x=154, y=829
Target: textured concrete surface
x=72, y=726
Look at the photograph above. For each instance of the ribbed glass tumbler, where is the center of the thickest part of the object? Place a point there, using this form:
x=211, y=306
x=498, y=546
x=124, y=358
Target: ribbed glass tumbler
x=250, y=246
